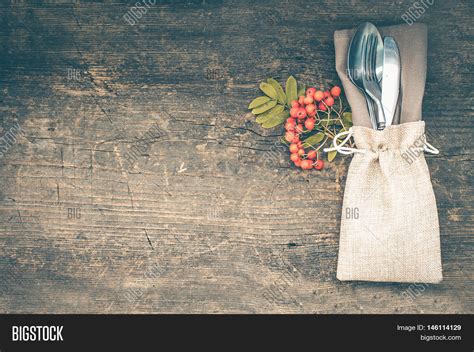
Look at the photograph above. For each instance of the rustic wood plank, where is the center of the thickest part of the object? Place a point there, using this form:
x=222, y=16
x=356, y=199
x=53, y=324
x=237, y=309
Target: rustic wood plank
x=210, y=217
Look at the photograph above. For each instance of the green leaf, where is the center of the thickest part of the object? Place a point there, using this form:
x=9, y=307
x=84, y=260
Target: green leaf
x=347, y=119
x=313, y=140
x=291, y=93
x=265, y=107
x=276, y=120
x=273, y=111
x=301, y=91
x=269, y=90
x=278, y=89
x=332, y=155
x=259, y=101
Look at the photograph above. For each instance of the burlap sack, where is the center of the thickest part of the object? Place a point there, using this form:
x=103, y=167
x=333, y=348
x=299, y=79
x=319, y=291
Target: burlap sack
x=389, y=224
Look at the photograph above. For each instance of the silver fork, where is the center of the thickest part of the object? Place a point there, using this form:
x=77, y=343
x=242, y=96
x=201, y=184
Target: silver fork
x=370, y=82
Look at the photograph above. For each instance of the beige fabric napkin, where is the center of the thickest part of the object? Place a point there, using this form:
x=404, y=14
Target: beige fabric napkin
x=412, y=42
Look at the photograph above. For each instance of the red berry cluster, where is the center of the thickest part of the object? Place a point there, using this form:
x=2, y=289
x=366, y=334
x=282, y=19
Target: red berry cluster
x=303, y=117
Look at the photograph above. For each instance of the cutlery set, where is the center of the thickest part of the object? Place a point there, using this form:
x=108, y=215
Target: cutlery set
x=399, y=239
x=373, y=65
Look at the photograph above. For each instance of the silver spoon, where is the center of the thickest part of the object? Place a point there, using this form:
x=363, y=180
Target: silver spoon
x=356, y=65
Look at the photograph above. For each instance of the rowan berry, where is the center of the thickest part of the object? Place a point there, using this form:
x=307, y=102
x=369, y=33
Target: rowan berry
x=294, y=148
x=289, y=126
x=290, y=136
x=335, y=91
x=308, y=99
x=306, y=164
x=310, y=91
x=293, y=112
x=309, y=124
x=301, y=113
x=310, y=109
x=318, y=95
x=312, y=154
x=319, y=164
x=329, y=101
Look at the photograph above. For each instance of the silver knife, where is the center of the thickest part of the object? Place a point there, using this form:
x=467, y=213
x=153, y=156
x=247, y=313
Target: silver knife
x=391, y=78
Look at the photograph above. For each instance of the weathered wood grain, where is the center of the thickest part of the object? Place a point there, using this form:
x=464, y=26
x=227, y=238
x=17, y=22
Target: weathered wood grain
x=210, y=218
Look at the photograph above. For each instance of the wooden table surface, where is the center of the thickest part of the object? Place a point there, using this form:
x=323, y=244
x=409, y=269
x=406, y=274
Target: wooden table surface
x=208, y=216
